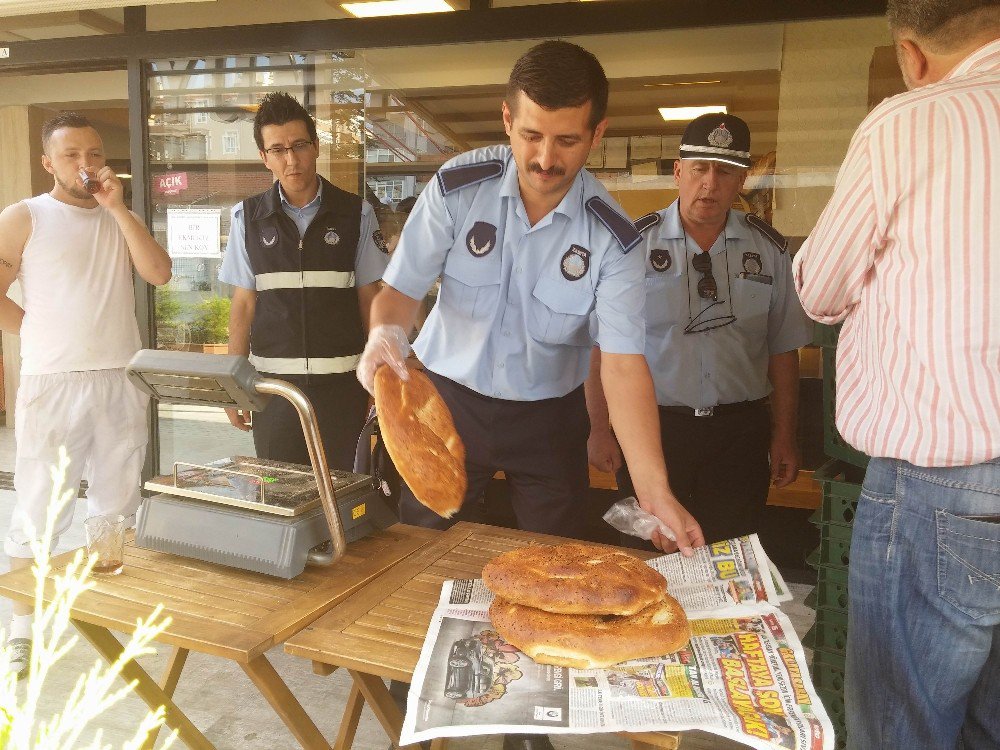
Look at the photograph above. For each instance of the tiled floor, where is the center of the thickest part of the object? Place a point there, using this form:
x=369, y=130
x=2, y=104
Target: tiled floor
x=215, y=693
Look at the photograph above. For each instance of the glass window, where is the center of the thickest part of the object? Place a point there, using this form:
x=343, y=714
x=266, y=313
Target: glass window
x=388, y=118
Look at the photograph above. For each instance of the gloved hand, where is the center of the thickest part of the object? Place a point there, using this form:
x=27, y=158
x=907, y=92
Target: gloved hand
x=387, y=345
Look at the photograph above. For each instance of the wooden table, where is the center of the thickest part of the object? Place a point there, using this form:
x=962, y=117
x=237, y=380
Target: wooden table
x=378, y=631
x=220, y=611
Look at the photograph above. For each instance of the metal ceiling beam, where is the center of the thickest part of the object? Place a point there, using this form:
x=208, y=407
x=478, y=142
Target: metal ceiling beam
x=475, y=25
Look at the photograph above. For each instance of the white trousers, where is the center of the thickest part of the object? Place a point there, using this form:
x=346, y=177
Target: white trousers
x=101, y=420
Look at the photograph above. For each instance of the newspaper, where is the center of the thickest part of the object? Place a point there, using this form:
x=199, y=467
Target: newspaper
x=742, y=676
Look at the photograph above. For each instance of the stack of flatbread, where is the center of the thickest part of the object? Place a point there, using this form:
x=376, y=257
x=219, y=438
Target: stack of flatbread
x=583, y=606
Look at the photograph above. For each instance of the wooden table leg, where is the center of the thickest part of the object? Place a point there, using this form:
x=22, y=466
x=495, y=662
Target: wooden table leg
x=285, y=704
x=382, y=704
x=168, y=683
x=146, y=688
x=352, y=715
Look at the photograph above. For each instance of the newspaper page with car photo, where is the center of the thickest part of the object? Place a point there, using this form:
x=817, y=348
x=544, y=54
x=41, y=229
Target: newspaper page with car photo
x=743, y=675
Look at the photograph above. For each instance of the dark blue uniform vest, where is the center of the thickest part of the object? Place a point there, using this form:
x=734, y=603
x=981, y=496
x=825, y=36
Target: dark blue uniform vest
x=314, y=321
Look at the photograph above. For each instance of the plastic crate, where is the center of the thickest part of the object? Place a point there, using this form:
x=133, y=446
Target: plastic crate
x=826, y=336
x=830, y=591
x=834, y=704
x=834, y=550
x=834, y=445
x=827, y=673
x=828, y=633
x=841, y=486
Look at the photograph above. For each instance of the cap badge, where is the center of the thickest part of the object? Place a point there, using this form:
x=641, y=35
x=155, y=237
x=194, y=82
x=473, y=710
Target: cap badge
x=331, y=237
x=659, y=259
x=721, y=137
x=575, y=263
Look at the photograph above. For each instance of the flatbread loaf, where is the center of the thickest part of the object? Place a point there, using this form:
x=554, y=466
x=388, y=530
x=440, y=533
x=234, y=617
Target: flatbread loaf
x=420, y=436
x=591, y=641
x=575, y=578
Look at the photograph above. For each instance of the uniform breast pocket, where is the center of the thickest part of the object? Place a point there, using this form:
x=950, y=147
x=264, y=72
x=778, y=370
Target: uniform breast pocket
x=471, y=285
x=560, y=312
x=666, y=301
x=751, y=303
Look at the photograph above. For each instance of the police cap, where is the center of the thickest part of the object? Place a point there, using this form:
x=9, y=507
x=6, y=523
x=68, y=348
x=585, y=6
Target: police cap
x=717, y=137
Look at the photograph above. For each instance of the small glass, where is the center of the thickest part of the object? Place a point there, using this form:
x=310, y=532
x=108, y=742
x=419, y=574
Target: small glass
x=90, y=183
x=106, y=539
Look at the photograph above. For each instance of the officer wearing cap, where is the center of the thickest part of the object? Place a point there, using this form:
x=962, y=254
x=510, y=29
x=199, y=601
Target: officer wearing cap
x=723, y=325
x=528, y=245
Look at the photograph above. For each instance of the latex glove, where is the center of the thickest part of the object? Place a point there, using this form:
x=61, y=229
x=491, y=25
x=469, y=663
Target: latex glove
x=387, y=345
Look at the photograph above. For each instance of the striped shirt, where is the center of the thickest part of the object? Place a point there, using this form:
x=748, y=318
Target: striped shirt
x=907, y=254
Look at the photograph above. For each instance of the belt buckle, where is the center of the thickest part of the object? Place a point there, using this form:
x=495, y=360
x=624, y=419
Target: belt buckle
x=708, y=411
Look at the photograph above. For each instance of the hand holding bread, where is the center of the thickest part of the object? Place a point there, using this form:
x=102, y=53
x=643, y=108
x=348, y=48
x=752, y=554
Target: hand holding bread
x=421, y=439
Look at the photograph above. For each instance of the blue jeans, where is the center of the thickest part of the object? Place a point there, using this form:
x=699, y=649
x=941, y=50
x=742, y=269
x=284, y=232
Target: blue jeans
x=923, y=653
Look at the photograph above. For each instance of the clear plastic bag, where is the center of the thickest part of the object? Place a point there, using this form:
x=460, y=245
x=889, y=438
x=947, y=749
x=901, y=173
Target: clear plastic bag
x=629, y=518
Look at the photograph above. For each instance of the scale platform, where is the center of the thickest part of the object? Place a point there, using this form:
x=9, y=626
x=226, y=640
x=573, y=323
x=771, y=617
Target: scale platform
x=265, y=516
x=222, y=515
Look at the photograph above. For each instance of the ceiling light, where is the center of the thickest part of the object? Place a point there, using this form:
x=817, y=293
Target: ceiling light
x=395, y=7
x=689, y=113
x=680, y=83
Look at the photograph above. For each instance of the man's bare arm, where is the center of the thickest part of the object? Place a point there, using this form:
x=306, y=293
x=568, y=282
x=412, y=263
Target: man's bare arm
x=628, y=387
x=783, y=372
x=366, y=295
x=602, y=448
x=15, y=229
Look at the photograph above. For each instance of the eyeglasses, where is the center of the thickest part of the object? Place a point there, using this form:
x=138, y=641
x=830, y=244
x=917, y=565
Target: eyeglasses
x=707, y=288
x=299, y=147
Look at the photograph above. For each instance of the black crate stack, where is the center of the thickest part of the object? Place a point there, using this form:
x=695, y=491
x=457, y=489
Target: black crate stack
x=840, y=479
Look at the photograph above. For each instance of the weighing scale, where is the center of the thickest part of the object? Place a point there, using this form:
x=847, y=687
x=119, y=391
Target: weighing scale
x=267, y=516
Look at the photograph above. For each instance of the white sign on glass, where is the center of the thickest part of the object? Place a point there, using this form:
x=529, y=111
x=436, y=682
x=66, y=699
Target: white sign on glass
x=194, y=232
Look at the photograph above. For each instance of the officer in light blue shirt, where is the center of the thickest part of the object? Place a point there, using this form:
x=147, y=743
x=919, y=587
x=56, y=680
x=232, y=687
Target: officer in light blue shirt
x=304, y=258
x=528, y=246
x=723, y=328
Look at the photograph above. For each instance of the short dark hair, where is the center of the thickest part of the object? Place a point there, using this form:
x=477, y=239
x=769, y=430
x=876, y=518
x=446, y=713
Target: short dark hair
x=278, y=108
x=62, y=120
x=946, y=24
x=557, y=74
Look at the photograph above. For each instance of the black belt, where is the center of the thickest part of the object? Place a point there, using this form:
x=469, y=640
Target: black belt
x=717, y=411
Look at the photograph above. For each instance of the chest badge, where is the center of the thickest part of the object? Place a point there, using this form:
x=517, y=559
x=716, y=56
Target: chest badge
x=481, y=239
x=331, y=237
x=269, y=237
x=379, y=241
x=575, y=263
x=752, y=264
x=660, y=259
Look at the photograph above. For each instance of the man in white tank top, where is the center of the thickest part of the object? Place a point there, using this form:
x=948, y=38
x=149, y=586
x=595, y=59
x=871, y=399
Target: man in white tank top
x=73, y=252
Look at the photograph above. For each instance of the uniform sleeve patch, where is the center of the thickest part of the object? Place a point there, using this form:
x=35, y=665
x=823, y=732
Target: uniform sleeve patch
x=647, y=222
x=456, y=178
x=620, y=227
x=776, y=237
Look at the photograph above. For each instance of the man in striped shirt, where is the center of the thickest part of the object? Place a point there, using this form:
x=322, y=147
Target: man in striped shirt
x=906, y=255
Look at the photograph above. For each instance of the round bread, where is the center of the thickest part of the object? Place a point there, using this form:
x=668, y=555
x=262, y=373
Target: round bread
x=591, y=641
x=421, y=439
x=575, y=578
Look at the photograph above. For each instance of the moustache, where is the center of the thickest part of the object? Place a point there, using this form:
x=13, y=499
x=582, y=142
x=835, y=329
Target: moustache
x=536, y=167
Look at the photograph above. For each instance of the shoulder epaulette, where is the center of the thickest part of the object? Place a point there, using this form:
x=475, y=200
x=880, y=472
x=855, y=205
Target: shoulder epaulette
x=768, y=231
x=456, y=178
x=648, y=221
x=623, y=230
